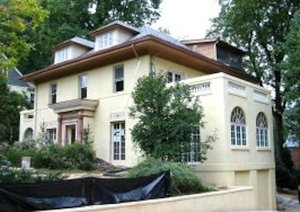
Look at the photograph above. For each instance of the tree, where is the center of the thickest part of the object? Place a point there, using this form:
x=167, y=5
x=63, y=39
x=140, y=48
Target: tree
x=291, y=68
x=71, y=18
x=11, y=103
x=260, y=27
x=166, y=117
x=17, y=19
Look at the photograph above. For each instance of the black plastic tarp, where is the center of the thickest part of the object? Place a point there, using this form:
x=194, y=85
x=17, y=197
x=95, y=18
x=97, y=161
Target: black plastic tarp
x=82, y=192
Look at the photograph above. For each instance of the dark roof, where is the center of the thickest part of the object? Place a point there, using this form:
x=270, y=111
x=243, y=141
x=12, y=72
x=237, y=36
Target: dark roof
x=142, y=36
x=77, y=40
x=14, y=78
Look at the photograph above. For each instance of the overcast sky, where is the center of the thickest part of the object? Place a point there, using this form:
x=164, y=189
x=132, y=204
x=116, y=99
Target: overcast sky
x=187, y=19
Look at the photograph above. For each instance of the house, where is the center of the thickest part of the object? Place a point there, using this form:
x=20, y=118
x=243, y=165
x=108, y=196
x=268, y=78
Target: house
x=15, y=84
x=90, y=85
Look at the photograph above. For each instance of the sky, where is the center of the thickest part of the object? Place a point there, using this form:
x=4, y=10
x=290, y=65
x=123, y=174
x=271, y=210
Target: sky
x=187, y=19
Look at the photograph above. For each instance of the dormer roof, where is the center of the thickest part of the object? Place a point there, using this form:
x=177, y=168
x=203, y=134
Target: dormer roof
x=77, y=41
x=115, y=25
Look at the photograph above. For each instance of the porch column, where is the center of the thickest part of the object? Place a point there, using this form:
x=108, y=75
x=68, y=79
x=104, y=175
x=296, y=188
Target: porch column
x=80, y=128
x=59, y=130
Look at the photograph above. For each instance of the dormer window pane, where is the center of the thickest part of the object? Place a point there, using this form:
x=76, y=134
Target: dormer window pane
x=83, y=86
x=105, y=40
x=61, y=55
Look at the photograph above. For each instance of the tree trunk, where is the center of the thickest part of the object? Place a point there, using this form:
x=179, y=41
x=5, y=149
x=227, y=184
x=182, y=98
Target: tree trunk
x=278, y=136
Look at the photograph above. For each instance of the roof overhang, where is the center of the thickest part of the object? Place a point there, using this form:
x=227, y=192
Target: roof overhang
x=74, y=105
x=148, y=45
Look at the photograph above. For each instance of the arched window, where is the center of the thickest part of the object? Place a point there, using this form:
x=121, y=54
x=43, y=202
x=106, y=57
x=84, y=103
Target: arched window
x=238, y=127
x=28, y=135
x=261, y=130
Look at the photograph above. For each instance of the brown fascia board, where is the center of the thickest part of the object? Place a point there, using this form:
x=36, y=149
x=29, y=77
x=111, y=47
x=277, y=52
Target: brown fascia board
x=111, y=27
x=146, y=45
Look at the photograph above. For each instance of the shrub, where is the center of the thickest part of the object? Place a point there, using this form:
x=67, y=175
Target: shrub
x=183, y=180
x=14, y=155
x=13, y=175
x=81, y=156
x=285, y=178
x=51, y=156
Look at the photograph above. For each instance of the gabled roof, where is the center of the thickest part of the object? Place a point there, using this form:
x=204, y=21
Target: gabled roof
x=77, y=41
x=146, y=41
x=113, y=25
x=13, y=78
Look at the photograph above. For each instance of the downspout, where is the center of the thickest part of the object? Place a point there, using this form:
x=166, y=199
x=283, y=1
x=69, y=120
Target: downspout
x=35, y=110
x=135, y=75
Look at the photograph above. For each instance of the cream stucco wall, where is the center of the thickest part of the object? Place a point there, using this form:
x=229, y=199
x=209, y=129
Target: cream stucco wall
x=231, y=199
x=218, y=93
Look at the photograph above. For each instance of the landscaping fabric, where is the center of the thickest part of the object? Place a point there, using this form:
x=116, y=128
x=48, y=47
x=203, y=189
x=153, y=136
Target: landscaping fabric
x=82, y=192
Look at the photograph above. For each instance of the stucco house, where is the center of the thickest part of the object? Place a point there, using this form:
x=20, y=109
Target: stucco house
x=90, y=84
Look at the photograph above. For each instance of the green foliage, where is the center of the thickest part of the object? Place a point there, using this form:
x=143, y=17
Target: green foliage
x=11, y=103
x=285, y=178
x=13, y=175
x=14, y=155
x=80, y=156
x=87, y=137
x=262, y=29
x=291, y=69
x=167, y=115
x=52, y=157
x=183, y=180
x=17, y=18
x=70, y=18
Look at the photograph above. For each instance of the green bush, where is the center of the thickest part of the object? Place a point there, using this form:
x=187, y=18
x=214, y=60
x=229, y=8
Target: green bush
x=14, y=155
x=183, y=180
x=51, y=157
x=13, y=175
x=80, y=156
x=285, y=178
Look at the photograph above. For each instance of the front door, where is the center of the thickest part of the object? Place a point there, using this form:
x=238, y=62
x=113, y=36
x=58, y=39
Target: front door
x=70, y=134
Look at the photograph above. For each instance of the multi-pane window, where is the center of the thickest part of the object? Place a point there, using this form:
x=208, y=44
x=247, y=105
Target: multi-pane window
x=83, y=86
x=118, y=78
x=51, y=133
x=118, y=140
x=173, y=77
x=191, y=150
x=105, y=40
x=238, y=127
x=53, y=93
x=61, y=55
x=261, y=130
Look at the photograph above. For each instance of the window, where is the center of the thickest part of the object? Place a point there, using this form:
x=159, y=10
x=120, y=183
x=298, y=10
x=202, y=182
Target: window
x=31, y=98
x=28, y=135
x=191, y=151
x=261, y=130
x=61, y=55
x=118, y=140
x=173, y=77
x=51, y=133
x=105, y=40
x=83, y=86
x=53, y=93
x=119, y=78
x=238, y=127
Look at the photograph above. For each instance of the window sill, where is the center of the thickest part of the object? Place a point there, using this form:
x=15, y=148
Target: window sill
x=263, y=149
x=241, y=148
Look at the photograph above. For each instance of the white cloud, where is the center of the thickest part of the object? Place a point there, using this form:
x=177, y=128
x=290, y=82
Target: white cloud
x=187, y=19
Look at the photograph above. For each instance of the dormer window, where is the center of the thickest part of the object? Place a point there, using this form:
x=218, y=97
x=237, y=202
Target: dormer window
x=105, y=40
x=61, y=55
